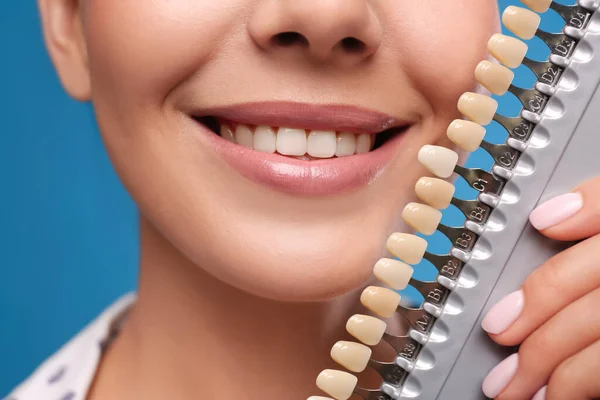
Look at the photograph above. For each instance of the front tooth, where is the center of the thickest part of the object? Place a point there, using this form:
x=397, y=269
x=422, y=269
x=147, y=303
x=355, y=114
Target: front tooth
x=319, y=398
x=435, y=192
x=338, y=384
x=408, y=248
x=352, y=356
x=346, y=144
x=227, y=133
x=393, y=273
x=494, y=77
x=477, y=107
x=369, y=330
x=508, y=50
x=244, y=136
x=520, y=21
x=538, y=5
x=264, y=139
x=291, y=142
x=322, y=144
x=466, y=134
x=363, y=143
x=381, y=301
x=439, y=160
x=422, y=218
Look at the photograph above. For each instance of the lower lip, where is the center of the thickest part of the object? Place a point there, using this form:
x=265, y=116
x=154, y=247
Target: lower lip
x=301, y=177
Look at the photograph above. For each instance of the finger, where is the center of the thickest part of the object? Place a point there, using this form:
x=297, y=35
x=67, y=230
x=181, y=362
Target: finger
x=577, y=377
x=560, y=281
x=572, y=216
x=570, y=331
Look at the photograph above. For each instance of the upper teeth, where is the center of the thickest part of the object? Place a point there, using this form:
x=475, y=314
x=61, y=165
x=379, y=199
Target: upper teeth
x=298, y=142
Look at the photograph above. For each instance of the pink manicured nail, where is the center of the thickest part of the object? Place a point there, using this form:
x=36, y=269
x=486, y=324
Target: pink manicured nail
x=541, y=394
x=504, y=313
x=500, y=376
x=556, y=210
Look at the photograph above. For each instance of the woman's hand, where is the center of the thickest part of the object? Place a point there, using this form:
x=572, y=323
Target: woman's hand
x=555, y=316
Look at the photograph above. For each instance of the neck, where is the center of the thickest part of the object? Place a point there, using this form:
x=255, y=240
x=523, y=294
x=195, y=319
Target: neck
x=190, y=335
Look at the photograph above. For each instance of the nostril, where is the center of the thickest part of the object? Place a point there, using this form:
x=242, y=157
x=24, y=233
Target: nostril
x=286, y=39
x=353, y=45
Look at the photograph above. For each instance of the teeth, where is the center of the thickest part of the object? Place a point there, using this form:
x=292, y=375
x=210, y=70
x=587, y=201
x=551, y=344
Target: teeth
x=319, y=398
x=381, y=301
x=346, y=144
x=296, y=143
x=520, y=21
x=291, y=142
x=508, y=50
x=393, y=273
x=466, y=134
x=408, y=248
x=538, y=5
x=338, y=384
x=494, y=77
x=352, y=356
x=227, y=133
x=322, y=144
x=439, y=160
x=363, y=143
x=244, y=136
x=264, y=139
x=422, y=218
x=369, y=330
x=435, y=192
x=477, y=107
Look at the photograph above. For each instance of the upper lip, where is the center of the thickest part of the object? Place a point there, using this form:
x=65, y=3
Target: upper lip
x=332, y=117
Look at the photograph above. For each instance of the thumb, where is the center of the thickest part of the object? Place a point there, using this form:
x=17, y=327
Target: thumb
x=571, y=216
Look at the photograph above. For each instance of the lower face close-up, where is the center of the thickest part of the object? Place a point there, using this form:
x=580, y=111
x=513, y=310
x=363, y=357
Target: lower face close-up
x=277, y=138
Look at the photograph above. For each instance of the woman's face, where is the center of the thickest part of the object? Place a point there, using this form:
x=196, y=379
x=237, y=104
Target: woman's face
x=287, y=227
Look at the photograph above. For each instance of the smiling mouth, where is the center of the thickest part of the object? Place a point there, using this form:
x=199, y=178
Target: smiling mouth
x=299, y=143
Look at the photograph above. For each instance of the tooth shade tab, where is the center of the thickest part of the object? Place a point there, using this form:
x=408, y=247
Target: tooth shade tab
x=435, y=192
x=508, y=50
x=369, y=330
x=539, y=6
x=422, y=218
x=439, y=160
x=393, y=273
x=477, y=107
x=381, y=301
x=408, y=248
x=467, y=135
x=352, y=356
x=522, y=22
x=338, y=384
x=494, y=77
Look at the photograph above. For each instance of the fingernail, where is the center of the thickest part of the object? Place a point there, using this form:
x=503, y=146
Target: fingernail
x=500, y=376
x=504, y=313
x=541, y=394
x=556, y=210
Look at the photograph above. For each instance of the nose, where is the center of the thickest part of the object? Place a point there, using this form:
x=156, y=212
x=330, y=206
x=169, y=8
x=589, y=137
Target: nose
x=321, y=29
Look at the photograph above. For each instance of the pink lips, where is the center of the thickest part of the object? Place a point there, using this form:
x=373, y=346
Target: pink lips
x=300, y=177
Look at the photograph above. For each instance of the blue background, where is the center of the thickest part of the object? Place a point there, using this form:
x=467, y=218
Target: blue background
x=68, y=237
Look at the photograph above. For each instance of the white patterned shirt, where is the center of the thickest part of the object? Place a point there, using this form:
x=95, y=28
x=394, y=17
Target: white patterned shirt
x=69, y=373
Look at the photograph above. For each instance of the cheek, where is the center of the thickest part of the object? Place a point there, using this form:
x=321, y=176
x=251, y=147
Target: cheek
x=446, y=45
x=143, y=49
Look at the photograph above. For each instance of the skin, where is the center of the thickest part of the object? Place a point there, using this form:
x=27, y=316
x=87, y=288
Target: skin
x=243, y=290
